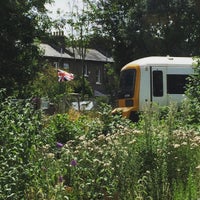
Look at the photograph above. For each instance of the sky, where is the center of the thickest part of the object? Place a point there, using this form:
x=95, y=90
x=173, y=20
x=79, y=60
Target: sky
x=63, y=6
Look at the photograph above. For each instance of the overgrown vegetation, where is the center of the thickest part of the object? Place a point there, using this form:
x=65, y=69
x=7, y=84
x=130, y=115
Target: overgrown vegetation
x=193, y=92
x=22, y=23
x=81, y=156
x=98, y=156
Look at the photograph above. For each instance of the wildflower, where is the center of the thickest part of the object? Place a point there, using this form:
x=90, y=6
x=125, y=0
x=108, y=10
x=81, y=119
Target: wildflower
x=82, y=137
x=132, y=141
x=198, y=167
x=96, y=161
x=60, y=179
x=184, y=143
x=107, y=164
x=176, y=145
x=73, y=163
x=122, y=134
x=45, y=148
x=59, y=145
x=197, y=139
x=100, y=151
x=50, y=155
x=113, y=154
x=101, y=137
x=194, y=145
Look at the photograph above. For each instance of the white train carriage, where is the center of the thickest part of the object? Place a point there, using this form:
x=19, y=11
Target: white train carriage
x=156, y=79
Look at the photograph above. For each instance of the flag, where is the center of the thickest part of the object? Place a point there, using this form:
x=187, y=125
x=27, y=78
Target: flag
x=64, y=76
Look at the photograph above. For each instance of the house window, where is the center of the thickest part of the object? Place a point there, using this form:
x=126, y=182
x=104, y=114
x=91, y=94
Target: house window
x=86, y=72
x=98, y=76
x=55, y=64
x=157, y=83
x=66, y=66
x=176, y=84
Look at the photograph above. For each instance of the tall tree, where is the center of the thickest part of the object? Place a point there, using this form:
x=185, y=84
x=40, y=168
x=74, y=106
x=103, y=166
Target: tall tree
x=79, y=34
x=21, y=23
x=123, y=23
x=177, y=23
x=139, y=28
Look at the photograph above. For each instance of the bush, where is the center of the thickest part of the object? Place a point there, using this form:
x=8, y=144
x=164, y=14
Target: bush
x=20, y=129
x=193, y=93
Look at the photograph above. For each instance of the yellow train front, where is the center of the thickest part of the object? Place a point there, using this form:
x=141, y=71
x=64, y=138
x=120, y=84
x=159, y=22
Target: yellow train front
x=128, y=94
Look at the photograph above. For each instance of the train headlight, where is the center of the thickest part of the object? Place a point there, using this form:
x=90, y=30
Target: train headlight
x=129, y=103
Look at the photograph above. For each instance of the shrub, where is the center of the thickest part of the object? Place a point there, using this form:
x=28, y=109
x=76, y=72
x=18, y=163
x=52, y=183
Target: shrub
x=193, y=93
x=20, y=129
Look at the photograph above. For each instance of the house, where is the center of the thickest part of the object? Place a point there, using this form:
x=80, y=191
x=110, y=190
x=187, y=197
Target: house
x=70, y=60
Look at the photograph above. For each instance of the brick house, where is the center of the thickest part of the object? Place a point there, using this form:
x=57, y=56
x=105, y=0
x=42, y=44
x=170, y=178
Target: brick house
x=70, y=60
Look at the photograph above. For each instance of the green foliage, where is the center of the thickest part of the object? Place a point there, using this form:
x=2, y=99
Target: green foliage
x=82, y=86
x=193, y=93
x=20, y=136
x=63, y=128
x=187, y=190
x=46, y=85
x=137, y=28
x=99, y=156
x=21, y=23
x=112, y=82
x=168, y=154
x=109, y=121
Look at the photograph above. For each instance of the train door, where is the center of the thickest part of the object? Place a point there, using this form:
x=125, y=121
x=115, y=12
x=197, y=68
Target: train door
x=158, y=85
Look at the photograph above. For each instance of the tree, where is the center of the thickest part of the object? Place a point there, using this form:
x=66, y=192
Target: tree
x=123, y=24
x=79, y=35
x=139, y=28
x=193, y=93
x=176, y=25
x=21, y=23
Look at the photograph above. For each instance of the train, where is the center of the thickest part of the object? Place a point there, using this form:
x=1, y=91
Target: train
x=156, y=79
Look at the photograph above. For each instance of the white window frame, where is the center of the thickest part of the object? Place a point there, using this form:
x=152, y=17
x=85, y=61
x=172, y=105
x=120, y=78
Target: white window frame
x=55, y=64
x=98, y=77
x=86, y=72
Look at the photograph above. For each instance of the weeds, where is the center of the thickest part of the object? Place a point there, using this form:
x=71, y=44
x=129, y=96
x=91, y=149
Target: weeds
x=98, y=157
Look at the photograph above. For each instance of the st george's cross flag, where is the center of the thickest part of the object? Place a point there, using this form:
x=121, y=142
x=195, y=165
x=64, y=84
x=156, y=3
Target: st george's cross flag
x=64, y=76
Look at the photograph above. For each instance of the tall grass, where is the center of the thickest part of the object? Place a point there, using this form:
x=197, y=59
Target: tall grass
x=79, y=157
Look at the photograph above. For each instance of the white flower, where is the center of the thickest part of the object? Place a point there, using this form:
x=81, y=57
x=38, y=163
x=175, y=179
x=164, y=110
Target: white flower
x=176, y=145
x=132, y=141
x=82, y=137
x=198, y=167
x=101, y=137
x=184, y=143
x=50, y=155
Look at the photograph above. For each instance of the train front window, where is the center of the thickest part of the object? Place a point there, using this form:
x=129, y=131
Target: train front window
x=127, y=83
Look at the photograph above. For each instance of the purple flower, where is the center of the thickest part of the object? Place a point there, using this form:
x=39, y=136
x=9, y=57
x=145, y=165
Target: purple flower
x=59, y=145
x=60, y=179
x=73, y=163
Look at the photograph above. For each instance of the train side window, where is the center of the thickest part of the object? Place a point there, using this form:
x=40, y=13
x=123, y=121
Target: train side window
x=176, y=83
x=157, y=83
